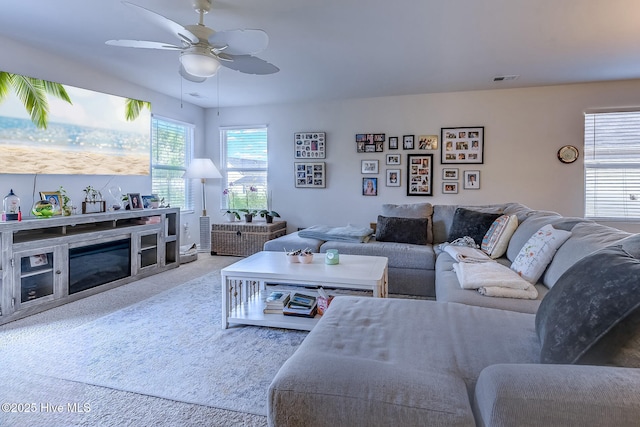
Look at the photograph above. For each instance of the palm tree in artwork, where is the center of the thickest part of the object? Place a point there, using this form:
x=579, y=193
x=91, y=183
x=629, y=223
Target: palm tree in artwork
x=32, y=93
x=133, y=108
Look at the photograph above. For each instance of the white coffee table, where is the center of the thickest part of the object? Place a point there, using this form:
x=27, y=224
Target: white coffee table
x=243, y=281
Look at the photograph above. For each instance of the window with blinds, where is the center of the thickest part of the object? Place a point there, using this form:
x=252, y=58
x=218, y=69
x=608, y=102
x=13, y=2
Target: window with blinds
x=612, y=165
x=244, y=156
x=171, y=147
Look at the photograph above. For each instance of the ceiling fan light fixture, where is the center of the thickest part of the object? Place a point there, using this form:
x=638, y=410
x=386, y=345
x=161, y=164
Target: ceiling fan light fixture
x=199, y=62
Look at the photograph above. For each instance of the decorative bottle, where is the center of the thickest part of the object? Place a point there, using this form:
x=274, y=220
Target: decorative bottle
x=11, y=207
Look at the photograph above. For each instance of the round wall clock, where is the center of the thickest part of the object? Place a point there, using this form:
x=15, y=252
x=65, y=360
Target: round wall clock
x=568, y=154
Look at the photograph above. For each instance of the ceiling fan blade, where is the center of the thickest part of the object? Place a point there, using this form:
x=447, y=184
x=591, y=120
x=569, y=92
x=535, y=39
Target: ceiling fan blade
x=190, y=77
x=164, y=22
x=142, y=44
x=240, y=42
x=249, y=64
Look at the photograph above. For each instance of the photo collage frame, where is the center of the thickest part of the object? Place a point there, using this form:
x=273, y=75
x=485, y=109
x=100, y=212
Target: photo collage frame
x=309, y=145
x=310, y=174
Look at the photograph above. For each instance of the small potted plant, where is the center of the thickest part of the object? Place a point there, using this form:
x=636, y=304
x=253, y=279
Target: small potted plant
x=154, y=201
x=248, y=214
x=67, y=207
x=232, y=215
x=305, y=256
x=292, y=256
x=269, y=215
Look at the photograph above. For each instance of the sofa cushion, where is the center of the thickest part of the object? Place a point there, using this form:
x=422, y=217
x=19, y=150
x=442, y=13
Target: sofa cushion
x=467, y=222
x=496, y=240
x=400, y=255
x=526, y=229
x=402, y=230
x=443, y=218
x=586, y=238
x=292, y=242
x=586, y=303
x=395, y=373
x=411, y=210
x=537, y=253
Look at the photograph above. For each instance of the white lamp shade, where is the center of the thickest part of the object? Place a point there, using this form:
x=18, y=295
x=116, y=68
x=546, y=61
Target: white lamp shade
x=199, y=62
x=202, y=168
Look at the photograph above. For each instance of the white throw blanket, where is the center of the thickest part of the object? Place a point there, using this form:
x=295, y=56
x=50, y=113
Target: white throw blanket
x=494, y=279
x=496, y=291
x=467, y=254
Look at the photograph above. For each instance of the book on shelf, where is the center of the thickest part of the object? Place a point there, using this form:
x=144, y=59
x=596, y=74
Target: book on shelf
x=301, y=305
x=276, y=300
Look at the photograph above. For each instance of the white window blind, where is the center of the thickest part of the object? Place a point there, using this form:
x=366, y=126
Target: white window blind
x=245, y=160
x=171, y=148
x=612, y=165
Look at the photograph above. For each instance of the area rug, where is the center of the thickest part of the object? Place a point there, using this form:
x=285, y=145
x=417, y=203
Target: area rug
x=170, y=346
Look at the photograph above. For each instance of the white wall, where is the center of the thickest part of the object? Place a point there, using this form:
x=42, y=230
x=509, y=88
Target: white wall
x=24, y=60
x=524, y=128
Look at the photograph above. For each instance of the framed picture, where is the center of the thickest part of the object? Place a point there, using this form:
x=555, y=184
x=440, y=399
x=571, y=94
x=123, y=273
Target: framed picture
x=135, y=201
x=37, y=262
x=369, y=186
x=55, y=198
x=428, y=142
x=471, y=180
x=450, y=174
x=393, y=178
x=393, y=159
x=146, y=200
x=309, y=145
x=408, y=142
x=449, y=188
x=419, y=174
x=462, y=145
x=370, y=142
x=393, y=143
x=310, y=174
x=369, y=166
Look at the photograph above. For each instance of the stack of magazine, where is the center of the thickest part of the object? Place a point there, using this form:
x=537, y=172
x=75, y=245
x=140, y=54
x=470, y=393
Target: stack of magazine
x=301, y=305
x=276, y=301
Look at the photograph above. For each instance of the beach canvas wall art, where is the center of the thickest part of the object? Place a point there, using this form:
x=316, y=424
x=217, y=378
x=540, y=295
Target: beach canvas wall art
x=89, y=135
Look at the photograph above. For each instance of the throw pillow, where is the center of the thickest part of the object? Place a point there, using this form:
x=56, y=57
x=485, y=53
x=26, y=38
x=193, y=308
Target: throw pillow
x=537, y=253
x=411, y=210
x=402, y=230
x=496, y=240
x=588, y=301
x=471, y=223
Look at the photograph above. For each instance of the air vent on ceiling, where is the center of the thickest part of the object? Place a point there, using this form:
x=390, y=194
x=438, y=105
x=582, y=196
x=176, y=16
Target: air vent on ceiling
x=505, y=78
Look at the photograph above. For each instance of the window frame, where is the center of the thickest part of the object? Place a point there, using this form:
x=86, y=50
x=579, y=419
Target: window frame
x=188, y=187
x=225, y=170
x=607, y=148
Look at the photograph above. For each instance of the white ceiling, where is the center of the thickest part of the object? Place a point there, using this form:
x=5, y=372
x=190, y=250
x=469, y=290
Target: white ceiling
x=334, y=49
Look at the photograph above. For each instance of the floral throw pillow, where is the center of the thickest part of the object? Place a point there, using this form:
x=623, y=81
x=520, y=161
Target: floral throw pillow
x=496, y=240
x=537, y=253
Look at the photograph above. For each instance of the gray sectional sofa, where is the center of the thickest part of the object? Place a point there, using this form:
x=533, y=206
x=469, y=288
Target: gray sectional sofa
x=571, y=357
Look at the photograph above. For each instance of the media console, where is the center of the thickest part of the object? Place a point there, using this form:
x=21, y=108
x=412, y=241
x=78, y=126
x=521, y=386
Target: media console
x=45, y=263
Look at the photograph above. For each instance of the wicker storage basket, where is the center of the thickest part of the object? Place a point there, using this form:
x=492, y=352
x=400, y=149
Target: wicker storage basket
x=243, y=239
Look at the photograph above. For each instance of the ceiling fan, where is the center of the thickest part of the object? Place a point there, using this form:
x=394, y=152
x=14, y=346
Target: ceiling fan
x=202, y=49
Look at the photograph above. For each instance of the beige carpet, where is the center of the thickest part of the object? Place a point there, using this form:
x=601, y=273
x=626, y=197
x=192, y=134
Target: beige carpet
x=52, y=401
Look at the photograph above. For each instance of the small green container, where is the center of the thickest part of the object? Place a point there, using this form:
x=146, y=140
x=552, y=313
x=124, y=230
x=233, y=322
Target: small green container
x=332, y=257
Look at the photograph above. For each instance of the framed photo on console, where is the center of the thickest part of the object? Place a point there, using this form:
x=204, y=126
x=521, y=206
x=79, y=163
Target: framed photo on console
x=55, y=198
x=462, y=145
x=135, y=201
x=420, y=175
